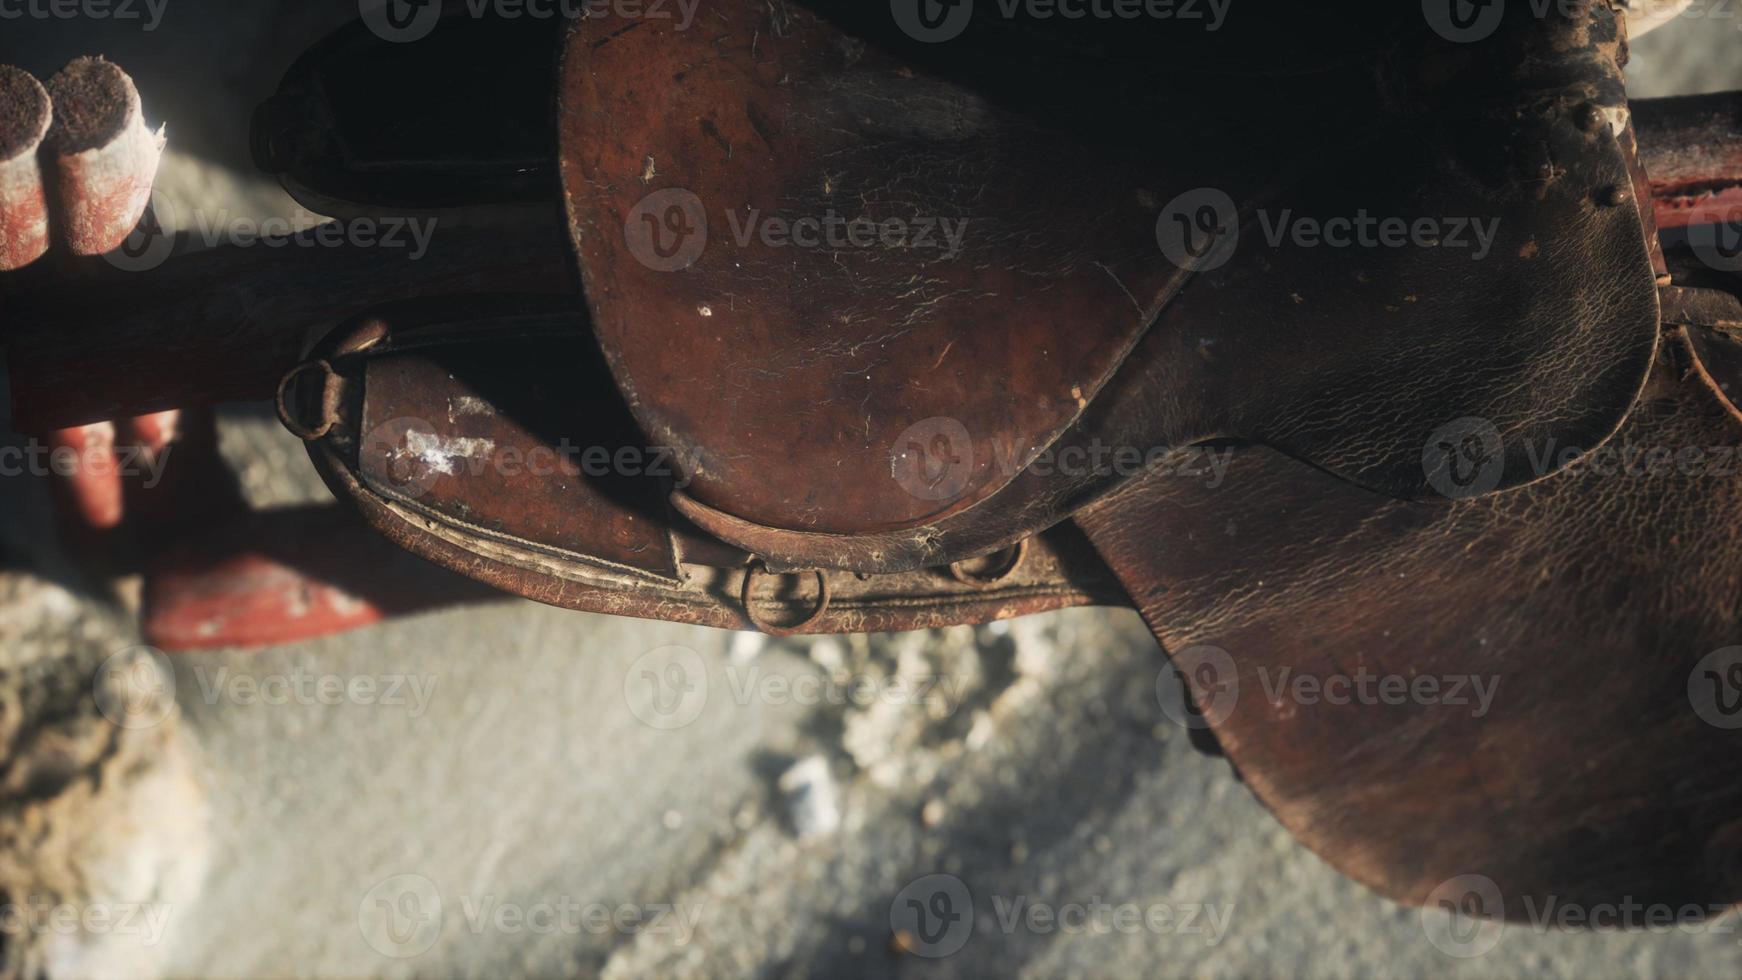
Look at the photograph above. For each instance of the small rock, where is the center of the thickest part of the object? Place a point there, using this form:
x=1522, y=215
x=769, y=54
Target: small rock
x=812, y=798
x=828, y=654
x=933, y=812
x=746, y=646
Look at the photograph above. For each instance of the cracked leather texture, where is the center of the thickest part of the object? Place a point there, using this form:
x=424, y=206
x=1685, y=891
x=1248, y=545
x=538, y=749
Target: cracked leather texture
x=1590, y=600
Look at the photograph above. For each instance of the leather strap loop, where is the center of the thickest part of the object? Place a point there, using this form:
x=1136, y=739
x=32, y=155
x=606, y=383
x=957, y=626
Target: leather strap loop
x=760, y=568
x=329, y=408
x=1018, y=553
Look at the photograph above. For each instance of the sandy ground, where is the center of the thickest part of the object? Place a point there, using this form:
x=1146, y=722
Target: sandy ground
x=509, y=789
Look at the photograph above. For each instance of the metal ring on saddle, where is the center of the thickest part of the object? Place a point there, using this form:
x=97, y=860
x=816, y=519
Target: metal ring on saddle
x=772, y=629
x=329, y=406
x=1018, y=552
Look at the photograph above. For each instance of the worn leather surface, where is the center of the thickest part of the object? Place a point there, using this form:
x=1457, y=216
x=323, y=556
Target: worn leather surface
x=1717, y=359
x=485, y=435
x=1703, y=313
x=1572, y=605
x=1591, y=603
x=797, y=372
x=812, y=384
x=503, y=436
x=343, y=138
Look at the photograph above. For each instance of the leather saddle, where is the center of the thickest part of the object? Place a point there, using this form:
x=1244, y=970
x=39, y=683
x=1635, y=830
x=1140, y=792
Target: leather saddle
x=1326, y=345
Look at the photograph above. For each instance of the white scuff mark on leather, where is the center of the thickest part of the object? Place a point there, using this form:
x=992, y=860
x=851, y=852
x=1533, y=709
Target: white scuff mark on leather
x=439, y=452
x=1618, y=117
x=462, y=405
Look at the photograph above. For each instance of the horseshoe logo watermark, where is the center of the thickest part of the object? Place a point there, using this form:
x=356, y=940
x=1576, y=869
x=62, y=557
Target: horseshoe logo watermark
x=151, y=243
x=401, y=917
x=1464, y=458
x=1715, y=235
x=1464, y=21
x=933, y=916
x=1199, y=687
x=135, y=688
x=667, y=231
x=932, y=21
x=401, y=21
x=1199, y=230
x=933, y=459
x=667, y=687
x=1462, y=916
x=1715, y=688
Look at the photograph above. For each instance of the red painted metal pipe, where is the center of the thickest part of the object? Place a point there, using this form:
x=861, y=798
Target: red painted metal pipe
x=1691, y=147
x=288, y=575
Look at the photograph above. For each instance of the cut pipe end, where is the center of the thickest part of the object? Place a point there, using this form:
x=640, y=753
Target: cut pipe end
x=105, y=159
x=94, y=102
x=26, y=115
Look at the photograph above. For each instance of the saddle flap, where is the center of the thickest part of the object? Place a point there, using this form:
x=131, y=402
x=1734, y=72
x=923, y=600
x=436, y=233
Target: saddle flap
x=502, y=428
x=484, y=434
x=1709, y=324
x=1512, y=688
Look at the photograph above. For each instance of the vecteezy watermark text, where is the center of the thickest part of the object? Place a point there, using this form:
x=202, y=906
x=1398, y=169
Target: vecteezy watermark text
x=162, y=232
x=1467, y=916
x=150, y=12
x=403, y=916
x=668, y=687
x=136, y=688
x=416, y=456
x=836, y=231
x=405, y=21
x=35, y=459
x=1363, y=230
x=409, y=691
x=1469, y=21
x=1466, y=458
x=1101, y=918
x=936, y=21
x=1200, y=230
x=668, y=230
x=1365, y=687
x=1203, y=684
x=933, y=916
x=935, y=459
x=39, y=915
x=565, y=916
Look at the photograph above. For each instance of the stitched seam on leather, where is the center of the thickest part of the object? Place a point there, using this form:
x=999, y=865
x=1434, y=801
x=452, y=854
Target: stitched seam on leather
x=465, y=535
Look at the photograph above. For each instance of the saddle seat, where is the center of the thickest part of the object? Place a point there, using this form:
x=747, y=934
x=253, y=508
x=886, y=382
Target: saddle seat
x=1104, y=276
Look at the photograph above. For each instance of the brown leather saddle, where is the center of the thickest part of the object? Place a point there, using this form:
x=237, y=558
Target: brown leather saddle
x=1308, y=339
